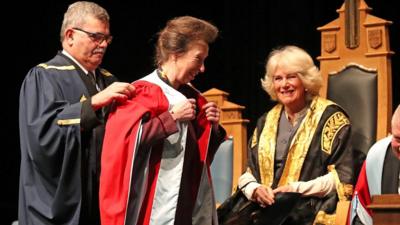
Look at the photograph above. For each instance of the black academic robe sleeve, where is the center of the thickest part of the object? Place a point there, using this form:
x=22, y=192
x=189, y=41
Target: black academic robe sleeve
x=50, y=144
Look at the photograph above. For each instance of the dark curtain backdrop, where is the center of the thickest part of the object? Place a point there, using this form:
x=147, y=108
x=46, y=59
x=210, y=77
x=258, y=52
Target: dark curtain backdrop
x=249, y=30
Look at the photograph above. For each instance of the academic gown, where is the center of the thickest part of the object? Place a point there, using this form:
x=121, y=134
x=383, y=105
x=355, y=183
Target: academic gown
x=379, y=175
x=320, y=144
x=60, y=137
x=144, y=179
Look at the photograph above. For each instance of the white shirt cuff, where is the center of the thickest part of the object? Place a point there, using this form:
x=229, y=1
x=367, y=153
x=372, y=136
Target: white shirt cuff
x=249, y=190
x=320, y=186
x=248, y=183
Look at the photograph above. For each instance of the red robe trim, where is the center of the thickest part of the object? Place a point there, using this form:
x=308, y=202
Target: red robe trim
x=120, y=142
x=121, y=202
x=361, y=198
x=203, y=132
x=369, y=182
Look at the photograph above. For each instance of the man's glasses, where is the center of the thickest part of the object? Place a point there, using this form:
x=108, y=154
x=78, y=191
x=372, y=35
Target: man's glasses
x=96, y=37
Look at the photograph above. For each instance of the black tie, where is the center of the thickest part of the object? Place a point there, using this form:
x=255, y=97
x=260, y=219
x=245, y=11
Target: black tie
x=92, y=78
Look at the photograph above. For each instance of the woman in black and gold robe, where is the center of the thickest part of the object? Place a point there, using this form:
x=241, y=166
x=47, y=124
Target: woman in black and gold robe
x=301, y=145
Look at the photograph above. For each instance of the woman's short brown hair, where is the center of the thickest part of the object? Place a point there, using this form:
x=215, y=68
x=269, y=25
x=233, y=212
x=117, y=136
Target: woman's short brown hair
x=179, y=33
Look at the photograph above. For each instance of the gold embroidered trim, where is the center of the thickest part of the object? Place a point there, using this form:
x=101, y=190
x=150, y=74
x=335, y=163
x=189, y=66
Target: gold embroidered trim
x=105, y=72
x=331, y=128
x=344, y=191
x=298, y=147
x=254, y=138
x=323, y=218
x=68, y=122
x=70, y=67
x=267, y=144
x=302, y=140
x=83, y=98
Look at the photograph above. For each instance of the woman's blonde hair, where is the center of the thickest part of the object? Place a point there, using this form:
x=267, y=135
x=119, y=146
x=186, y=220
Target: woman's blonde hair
x=292, y=59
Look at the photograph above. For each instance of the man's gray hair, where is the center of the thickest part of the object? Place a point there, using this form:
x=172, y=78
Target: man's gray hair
x=78, y=12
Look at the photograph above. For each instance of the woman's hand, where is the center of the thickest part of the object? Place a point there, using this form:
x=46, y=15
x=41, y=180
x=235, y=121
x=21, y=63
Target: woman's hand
x=263, y=196
x=212, y=112
x=184, y=110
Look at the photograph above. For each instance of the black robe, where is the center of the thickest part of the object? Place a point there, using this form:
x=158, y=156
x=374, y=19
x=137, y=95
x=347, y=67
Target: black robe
x=61, y=138
x=333, y=129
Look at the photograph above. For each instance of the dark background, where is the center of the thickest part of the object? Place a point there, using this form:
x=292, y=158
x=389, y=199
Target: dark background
x=249, y=30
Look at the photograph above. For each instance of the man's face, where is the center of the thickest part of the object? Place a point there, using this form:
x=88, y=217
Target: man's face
x=396, y=139
x=86, y=47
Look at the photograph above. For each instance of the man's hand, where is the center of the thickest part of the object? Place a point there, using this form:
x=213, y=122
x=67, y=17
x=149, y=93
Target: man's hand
x=117, y=91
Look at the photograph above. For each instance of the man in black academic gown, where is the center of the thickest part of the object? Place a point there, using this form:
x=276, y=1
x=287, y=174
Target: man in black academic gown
x=63, y=107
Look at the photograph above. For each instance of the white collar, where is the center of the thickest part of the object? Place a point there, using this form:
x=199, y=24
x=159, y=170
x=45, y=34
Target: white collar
x=73, y=59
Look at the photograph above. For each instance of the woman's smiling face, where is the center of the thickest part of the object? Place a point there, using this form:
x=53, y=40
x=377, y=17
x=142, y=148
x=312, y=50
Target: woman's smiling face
x=289, y=89
x=191, y=63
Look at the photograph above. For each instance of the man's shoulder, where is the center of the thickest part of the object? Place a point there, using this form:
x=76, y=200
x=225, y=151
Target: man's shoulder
x=54, y=69
x=379, y=147
x=378, y=151
x=58, y=63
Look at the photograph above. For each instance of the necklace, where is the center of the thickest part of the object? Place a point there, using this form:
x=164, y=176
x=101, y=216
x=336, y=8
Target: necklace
x=163, y=76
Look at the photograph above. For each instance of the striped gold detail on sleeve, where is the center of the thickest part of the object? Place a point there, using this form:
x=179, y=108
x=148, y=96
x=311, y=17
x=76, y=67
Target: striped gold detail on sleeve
x=83, y=98
x=43, y=65
x=68, y=122
x=105, y=72
x=331, y=128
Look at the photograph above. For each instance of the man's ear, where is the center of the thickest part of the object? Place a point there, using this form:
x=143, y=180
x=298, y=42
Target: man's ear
x=69, y=37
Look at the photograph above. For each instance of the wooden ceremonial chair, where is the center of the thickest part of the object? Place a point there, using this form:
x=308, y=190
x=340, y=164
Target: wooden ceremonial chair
x=231, y=157
x=355, y=63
